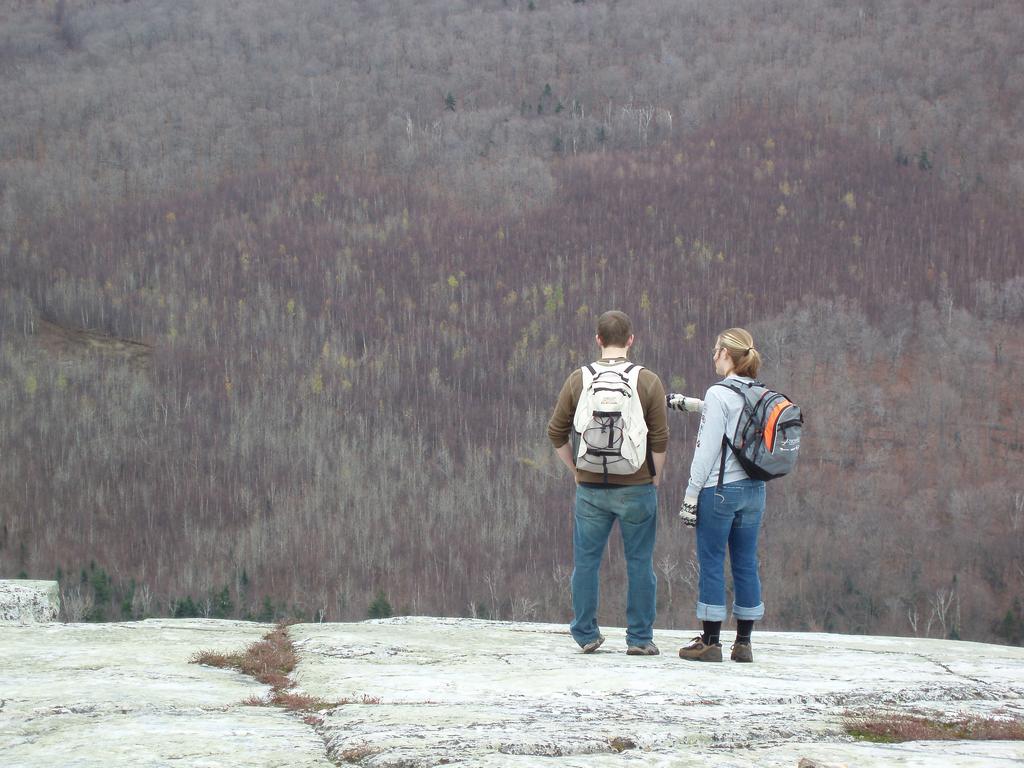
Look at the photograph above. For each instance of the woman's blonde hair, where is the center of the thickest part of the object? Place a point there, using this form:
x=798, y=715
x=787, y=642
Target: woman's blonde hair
x=740, y=346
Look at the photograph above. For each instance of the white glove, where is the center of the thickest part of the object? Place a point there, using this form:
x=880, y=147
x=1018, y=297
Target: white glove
x=688, y=512
x=683, y=403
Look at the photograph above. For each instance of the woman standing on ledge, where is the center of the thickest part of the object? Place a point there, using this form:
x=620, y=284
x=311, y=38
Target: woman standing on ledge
x=726, y=506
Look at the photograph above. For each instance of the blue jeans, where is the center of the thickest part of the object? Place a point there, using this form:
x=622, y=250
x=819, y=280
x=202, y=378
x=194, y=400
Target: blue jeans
x=729, y=516
x=597, y=509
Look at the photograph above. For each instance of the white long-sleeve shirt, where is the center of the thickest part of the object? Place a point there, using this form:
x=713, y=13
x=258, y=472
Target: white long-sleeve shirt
x=720, y=416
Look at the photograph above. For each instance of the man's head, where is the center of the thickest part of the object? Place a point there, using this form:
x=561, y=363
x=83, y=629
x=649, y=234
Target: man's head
x=614, y=329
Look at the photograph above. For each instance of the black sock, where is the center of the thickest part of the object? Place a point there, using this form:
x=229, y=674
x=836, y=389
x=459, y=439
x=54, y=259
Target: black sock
x=712, y=629
x=743, y=629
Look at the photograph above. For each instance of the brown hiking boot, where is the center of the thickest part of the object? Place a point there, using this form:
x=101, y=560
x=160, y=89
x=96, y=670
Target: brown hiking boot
x=593, y=645
x=698, y=651
x=642, y=650
x=742, y=652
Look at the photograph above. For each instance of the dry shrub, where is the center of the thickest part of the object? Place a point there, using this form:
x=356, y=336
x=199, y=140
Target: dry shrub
x=357, y=753
x=304, y=702
x=898, y=728
x=270, y=661
x=300, y=702
x=214, y=659
x=622, y=743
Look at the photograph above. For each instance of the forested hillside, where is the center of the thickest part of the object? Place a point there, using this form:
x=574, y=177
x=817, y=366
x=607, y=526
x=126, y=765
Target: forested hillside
x=286, y=296
x=105, y=100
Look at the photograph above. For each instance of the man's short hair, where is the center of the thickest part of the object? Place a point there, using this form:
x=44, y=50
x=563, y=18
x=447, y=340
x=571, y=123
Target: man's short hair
x=614, y=328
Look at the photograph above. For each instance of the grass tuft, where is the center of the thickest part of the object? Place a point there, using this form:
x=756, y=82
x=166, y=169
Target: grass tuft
x=270, y=661
x=358, y=753
x=894, y=728
x=622, y=743
x=214, y=659
x=300, y=702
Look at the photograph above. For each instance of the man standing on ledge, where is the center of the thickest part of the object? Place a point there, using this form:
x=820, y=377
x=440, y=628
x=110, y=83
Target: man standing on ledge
x=602, y=497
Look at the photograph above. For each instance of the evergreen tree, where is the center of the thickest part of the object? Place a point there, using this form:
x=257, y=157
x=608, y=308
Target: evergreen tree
x=267, y=612
x=1011, y=628
x=126, y=601
x=101, y=586
x=380, y=608
x=222, y=607
x=186, y=609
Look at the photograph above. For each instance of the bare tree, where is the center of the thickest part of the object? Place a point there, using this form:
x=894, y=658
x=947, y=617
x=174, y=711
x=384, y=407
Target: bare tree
x=668, y=565
x=941, y=602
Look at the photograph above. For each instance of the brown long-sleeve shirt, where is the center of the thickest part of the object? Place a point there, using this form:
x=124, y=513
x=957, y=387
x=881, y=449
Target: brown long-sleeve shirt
x=652, y=399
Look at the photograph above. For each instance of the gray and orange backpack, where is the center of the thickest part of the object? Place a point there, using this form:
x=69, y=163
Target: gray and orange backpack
x=767, y=438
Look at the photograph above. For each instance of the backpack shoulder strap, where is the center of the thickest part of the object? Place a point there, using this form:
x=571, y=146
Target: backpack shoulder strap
x=628, y=372
x=726, y=445
x=734, y=387
x=611, y=372
x=631, y=373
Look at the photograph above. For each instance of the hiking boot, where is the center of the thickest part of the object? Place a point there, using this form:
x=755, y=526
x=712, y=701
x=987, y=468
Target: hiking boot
x=642, y=650
x=698, y=651
x=594, y=644
x=742, y=652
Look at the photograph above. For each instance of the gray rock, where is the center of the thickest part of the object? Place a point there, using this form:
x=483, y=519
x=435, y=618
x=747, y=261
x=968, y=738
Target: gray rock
x=415, y=692
x=423, y=690
x=29, y=602
x=126, y=696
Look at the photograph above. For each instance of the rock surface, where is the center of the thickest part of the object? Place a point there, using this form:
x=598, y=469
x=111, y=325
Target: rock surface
x=490, y=694
x=125, y=695
x=29, y=602
x=425, y=692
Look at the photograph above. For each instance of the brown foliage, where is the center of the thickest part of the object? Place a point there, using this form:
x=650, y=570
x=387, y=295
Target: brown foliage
x=351, y=376
x=260, y=85
x=300, y=702
x=214, y=659
x=270, y=661
x=71, y=343
x=899, y=727
x=357, y=754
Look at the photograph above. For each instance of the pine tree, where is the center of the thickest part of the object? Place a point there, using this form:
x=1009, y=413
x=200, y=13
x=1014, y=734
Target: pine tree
x=222, y=607
x=380, y=608
x=267, y=612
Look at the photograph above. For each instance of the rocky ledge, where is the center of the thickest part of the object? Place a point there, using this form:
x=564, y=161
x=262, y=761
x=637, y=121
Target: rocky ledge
x=29, y=602
x=425, y=692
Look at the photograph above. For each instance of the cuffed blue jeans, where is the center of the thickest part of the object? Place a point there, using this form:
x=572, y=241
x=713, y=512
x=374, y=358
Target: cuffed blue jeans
x=729, y=516
x=597, y=509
